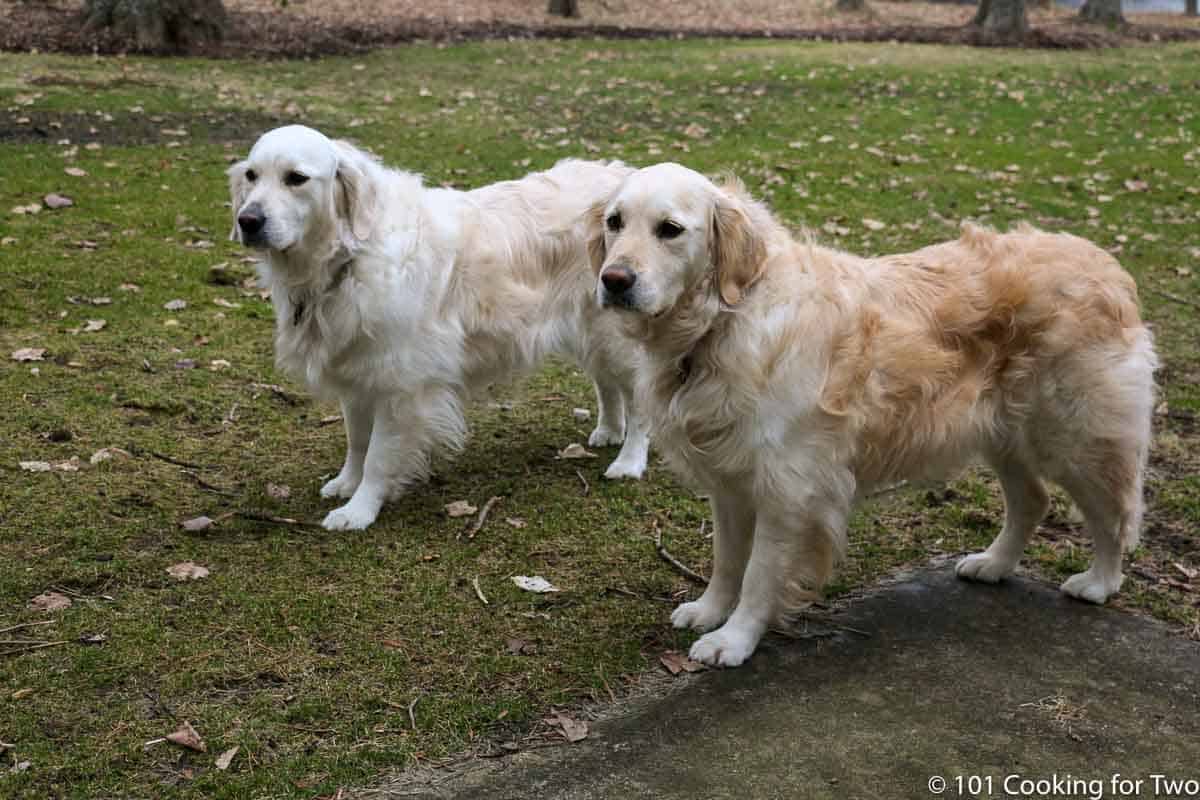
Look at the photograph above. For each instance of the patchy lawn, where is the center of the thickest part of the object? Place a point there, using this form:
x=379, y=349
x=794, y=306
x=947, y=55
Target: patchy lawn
x=329, y=659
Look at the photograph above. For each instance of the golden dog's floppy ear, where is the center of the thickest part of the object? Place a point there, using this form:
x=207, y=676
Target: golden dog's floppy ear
x=593, y=234
x=356, y=195
x=738, y=251
x=239, y=187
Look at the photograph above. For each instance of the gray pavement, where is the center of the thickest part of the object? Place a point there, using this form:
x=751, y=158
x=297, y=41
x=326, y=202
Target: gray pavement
x=1012, y=684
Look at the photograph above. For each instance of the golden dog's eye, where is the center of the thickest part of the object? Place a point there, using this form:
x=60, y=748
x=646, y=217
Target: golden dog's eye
x=614, y=222
x=295, y=179
x=251, y=175
x=668, y=230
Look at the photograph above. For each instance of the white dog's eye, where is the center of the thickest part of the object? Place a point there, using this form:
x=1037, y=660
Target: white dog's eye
x=668, y=229
x=251, y=175
x=614, y=222
x=295, y=179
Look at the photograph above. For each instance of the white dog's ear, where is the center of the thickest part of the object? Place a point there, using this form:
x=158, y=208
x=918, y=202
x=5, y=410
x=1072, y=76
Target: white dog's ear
x=356, y=195
x=593, y=234
x=738, y=250
x=239, y=187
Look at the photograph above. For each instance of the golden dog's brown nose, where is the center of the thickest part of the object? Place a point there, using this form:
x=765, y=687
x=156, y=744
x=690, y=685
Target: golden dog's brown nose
x=618, y=278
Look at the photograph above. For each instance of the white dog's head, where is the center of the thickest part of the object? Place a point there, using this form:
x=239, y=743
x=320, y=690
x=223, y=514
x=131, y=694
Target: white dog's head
x=299, y=186
x=664, y=232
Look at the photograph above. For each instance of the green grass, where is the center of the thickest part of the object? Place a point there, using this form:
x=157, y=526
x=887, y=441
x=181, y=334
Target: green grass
x=306, y=649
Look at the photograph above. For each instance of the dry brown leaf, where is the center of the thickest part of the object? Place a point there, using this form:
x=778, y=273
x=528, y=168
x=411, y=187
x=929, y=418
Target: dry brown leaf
x=187, y=571
x=278, y=491
x=50, y=601
x=29, y=354
x=226, y=758
x=75, y=172
x=873, y=224
x=196, y=524
x=460, y=508
x=573, y=730
x=56, y=201
x=93, y=325
x=516, y=522
x=676, y=662
x=36, y=466
x=1188, y=572
x=107, y=453
x=187, y=737
x=536, y=584
x=575, y=451
x=175, y=305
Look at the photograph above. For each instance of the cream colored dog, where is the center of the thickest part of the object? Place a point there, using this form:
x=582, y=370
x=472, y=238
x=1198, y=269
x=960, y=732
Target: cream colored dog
x=786, y=379
x=403, y=301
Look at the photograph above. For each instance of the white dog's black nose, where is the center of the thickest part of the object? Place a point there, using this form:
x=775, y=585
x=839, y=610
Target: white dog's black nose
x=251, y=220
x=618, y=278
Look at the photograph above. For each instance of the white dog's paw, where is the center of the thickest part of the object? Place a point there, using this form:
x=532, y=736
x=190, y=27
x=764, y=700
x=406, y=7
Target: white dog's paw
x=699, y=615
x=985, y=567
x=625, y=467
x=724, y=647
x=350, y=517
x=341, y=486
x=1091, y=586
x=604, y=437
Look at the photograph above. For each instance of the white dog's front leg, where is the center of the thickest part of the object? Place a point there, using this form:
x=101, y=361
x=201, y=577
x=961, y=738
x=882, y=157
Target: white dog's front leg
x=403, y=436
x=631, y=461
x=358, y=418
x=610, y=414
x=733, y=535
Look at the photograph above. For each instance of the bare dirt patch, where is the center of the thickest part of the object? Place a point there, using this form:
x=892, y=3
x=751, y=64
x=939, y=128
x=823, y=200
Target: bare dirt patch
x=264, y=28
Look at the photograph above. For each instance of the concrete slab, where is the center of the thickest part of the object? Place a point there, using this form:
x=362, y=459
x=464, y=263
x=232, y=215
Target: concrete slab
x=955, y=680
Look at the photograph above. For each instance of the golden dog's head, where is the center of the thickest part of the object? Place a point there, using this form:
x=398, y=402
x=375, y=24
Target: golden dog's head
x=667, y=230
x=297, y=185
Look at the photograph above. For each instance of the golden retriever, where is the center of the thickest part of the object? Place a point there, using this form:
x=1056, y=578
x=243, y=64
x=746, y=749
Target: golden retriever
x=402, y=301
x=786, y=379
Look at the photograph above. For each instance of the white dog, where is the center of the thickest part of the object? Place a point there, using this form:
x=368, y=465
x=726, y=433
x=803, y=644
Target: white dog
x=787, y=379
x=402, y=301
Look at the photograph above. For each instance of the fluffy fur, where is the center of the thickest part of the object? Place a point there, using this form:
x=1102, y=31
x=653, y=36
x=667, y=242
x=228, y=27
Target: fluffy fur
x=786, y=379
x=402, y=301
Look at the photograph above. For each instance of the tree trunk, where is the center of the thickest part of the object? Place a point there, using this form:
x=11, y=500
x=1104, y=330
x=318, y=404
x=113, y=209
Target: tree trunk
x=564, y=8
x=851, y=5
x=174, y=25
x=1002, y=20
x=1107, y=12
x=1190, y=8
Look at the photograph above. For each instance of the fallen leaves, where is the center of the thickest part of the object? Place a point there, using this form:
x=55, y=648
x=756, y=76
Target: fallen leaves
x=94, y=326
x=109, y=453
x=187, y=571
x=536, y=584
x=175, y=305
x=225, y=759
x=50, y=601
x=69, y=465
x=675, y=662
x=573, y=730
x=460, y=508
x=76, y=172
x=186, y=736
x=29, y=354
x=57, y=201
x=575, y=451
x=197, y=524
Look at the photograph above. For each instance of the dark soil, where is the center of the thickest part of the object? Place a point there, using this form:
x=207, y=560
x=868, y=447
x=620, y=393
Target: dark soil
x=130, y=129
x=50, y=28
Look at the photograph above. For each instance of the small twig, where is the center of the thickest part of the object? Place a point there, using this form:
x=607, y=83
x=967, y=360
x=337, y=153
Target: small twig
x=478, y=526
x=38, y=646
x=170, y=460
x=1176, y=298
x=27, y=625
x=479, y=592
x=203, y=484
x=250, y=515
x=412, y=717
x=679, y=566
x=586, y=488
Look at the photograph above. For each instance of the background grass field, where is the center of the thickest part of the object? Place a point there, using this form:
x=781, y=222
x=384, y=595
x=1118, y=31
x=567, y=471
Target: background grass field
x=307, y=649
